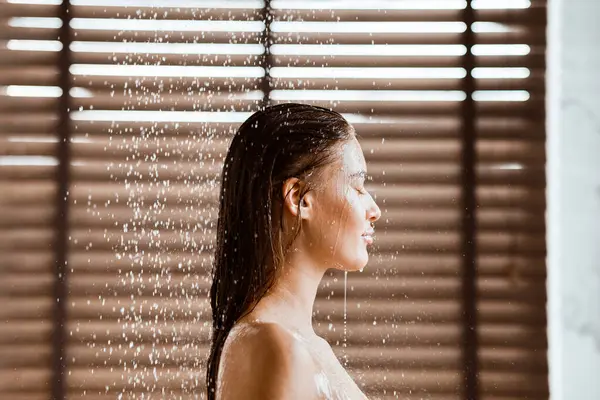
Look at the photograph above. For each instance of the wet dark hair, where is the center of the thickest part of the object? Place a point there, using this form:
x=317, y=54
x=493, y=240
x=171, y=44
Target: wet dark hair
x=274, y=144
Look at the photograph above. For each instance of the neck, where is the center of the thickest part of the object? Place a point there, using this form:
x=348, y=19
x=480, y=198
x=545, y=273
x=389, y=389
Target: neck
x=290, y=301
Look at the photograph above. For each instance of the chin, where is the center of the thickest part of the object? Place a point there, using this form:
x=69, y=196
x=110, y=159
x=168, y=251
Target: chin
x=356, y=264
x=349, y=259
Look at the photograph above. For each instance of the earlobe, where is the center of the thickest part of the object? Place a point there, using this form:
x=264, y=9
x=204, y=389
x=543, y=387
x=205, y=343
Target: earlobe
x=305, y=204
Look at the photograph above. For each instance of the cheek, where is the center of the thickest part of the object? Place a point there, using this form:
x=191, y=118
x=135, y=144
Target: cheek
x=355, y=201
x=333, y=216
x=341, y=215
x=354, y=212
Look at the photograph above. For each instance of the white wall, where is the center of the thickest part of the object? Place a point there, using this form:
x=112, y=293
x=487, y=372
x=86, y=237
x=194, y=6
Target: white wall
x=573, y=109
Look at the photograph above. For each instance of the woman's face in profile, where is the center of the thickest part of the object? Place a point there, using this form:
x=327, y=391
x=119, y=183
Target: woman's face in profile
x=344, y=212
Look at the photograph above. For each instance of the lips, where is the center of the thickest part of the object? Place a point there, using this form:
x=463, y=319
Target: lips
x=368, y=239
x=368, y=236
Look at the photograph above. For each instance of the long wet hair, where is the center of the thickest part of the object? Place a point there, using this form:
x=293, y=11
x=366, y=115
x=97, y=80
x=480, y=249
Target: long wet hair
x=274, y=144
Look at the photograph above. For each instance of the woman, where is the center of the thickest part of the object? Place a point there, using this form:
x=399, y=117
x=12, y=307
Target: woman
x=292, y=205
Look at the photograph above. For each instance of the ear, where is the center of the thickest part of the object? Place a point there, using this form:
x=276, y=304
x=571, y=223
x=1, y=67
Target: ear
x=291, y=198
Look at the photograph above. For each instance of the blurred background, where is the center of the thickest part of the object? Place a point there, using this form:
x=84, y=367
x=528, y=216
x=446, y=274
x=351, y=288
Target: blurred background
x=115, y=118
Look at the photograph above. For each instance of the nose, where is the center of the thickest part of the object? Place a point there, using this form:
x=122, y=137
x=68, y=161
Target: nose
x=373, y=213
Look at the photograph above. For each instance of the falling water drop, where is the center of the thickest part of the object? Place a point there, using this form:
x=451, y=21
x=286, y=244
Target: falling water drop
x=345, y=355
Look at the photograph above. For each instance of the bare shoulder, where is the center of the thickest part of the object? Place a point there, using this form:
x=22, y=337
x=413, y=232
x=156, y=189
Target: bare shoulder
x=265, y=361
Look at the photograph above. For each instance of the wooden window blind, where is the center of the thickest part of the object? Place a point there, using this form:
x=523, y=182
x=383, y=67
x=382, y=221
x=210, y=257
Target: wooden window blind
x=116, y=117
x=30, y=215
